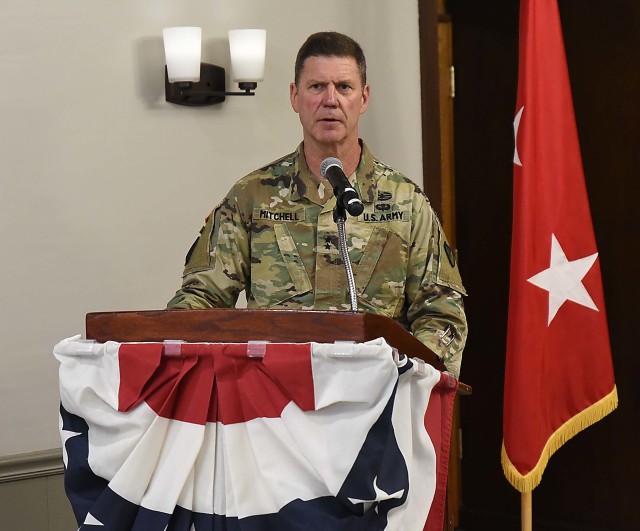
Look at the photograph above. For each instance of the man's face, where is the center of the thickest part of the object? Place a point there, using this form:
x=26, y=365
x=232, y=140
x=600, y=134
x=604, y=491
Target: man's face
x=329, y=98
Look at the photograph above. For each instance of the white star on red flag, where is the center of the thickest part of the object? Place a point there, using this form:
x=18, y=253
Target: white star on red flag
x=516, y=126
x=563, y=279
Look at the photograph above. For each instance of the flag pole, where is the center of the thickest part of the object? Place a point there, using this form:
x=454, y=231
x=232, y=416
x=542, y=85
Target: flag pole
x=526, y=512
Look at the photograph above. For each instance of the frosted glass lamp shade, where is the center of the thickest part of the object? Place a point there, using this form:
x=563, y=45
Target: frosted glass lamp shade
x=247, y=49
x=182, y=48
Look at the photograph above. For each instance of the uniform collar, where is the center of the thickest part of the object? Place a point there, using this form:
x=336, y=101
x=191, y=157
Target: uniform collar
x=366, y=176
x=304, y=183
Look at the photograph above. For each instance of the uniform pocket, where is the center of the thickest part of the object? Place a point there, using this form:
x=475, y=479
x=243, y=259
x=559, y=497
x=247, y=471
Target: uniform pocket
x=277, y=271
x=199, y=255
x=448, y=273
x=381, y=273
x=291, y=257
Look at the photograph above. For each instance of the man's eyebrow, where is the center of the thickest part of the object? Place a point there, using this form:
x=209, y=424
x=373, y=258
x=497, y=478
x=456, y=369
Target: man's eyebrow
x=345, y=81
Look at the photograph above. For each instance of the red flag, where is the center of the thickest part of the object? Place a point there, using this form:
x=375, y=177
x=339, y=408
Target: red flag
x=559, y=376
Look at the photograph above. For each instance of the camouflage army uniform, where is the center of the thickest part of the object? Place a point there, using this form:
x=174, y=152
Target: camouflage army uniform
x=274, y=235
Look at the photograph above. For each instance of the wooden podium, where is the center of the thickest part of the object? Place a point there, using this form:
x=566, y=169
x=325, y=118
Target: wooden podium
x=240, y=326
x=276, y=326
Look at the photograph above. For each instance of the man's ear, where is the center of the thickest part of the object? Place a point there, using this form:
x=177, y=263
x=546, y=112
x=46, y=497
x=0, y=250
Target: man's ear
x=366, y=92
x=293, y=95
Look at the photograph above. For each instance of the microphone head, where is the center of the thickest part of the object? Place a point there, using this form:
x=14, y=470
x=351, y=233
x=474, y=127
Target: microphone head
x=327, y=163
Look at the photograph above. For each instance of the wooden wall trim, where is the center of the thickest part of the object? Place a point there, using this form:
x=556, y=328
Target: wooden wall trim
x=31, y=465
x=430, y=109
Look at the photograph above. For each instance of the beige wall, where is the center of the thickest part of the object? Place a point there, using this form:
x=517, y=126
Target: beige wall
x=103, y=185
x=36, y=504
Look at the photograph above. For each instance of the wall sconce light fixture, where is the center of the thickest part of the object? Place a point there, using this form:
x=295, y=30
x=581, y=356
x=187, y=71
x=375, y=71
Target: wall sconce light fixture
x=188, y=81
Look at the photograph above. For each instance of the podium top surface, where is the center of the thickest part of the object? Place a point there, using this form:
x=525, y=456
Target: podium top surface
x=241, y=326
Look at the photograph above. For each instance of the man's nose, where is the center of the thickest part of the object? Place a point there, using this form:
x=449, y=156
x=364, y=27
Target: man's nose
x=330, y=96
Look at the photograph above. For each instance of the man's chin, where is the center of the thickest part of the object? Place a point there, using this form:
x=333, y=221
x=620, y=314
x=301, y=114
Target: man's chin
x=330, y=137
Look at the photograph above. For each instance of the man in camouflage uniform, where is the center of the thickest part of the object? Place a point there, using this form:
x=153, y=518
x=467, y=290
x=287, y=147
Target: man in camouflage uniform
x=274, y=233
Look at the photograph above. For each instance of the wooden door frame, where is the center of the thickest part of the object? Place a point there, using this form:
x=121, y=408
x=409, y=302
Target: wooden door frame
x=437, y=93
x=436, y=63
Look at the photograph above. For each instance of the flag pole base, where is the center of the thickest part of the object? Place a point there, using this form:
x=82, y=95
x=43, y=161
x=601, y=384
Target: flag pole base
x=526, y=511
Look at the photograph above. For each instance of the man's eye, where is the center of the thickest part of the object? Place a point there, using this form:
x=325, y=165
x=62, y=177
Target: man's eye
x=343, y=87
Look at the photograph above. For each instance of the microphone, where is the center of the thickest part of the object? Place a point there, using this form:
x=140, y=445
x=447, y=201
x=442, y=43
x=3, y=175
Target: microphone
x=346, y=196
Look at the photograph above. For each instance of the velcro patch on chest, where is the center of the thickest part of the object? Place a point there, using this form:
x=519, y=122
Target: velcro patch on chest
x=381, y=215
x=269, y=214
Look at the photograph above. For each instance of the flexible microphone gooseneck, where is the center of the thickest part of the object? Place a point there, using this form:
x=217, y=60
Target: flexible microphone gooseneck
x=346, y=196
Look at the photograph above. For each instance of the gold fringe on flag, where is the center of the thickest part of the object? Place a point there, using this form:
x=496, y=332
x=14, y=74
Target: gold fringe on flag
x=573, y=426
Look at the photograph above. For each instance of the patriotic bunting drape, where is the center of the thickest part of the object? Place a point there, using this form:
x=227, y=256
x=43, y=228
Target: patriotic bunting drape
x=308, y=436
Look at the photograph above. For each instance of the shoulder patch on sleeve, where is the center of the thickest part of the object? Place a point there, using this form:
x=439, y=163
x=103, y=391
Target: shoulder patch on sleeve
x=448, y=273
x=199, y=256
